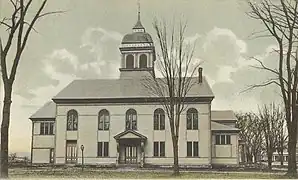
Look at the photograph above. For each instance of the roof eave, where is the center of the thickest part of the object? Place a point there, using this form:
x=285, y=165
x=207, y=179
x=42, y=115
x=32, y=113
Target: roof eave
x=42, y=118
x=200, y=99
x=226, y=131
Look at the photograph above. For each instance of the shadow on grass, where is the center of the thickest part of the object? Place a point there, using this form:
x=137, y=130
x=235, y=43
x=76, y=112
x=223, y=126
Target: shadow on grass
x=142, y=175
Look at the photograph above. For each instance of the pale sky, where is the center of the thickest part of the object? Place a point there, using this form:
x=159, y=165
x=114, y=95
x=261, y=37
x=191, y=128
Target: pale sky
x=84, y=42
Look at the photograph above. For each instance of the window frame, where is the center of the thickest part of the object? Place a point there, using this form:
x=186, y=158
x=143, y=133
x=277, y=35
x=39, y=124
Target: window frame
x=72, y=120
x=103, y=149
x=191, y=151
x=46, y=128
x=159, y=120
x=159, y=149
x=105, y=121
x=192, y=119
x=223, y=139
x=131, y=119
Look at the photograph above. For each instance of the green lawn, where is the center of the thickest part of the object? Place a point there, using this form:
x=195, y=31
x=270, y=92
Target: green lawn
x=139, y=175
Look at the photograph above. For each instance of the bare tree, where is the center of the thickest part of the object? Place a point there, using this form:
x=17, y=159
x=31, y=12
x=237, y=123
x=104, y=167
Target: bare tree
x=19, y=27
x=280, y=21
x=251, y=133
x=270, y=116
x=177, y=70
x=282, y=138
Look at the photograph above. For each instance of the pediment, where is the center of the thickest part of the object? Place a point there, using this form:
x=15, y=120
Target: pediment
x=130, y=134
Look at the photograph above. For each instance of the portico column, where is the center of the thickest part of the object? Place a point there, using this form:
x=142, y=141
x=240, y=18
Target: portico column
x=117, y=154
x=142, y=154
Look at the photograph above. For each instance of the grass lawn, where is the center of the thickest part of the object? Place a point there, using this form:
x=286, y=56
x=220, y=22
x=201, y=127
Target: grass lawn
x=140, y=175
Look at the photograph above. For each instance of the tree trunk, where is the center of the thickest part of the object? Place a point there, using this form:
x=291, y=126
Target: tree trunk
x=292, y=167
x=249, y=157
x=270, y=154
x=176, y=160
x=282, y=157
x=5, y=131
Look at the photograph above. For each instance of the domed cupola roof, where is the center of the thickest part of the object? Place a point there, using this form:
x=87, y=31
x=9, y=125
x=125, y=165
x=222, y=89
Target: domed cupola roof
x=138, y=34
x=137, y=37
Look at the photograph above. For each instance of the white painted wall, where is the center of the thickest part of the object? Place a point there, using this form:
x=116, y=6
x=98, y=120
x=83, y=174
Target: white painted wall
x=43, y=141
x=41, y=156
x=225, y=154
x=88, y=135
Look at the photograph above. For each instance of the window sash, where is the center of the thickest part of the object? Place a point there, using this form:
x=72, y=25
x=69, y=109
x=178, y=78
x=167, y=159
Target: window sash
x=102, y=149
x=46, y=128
x=228, y=139
x=41, y=128
x=195, y=149
x=104, y=122
x=156, y=122
x=155, y=149
x=159, y=122
x=189, y=122
x=195, y=121
x=131, y=121
x=99, y=149
x=72, y=121
x=106, y=149
x=217, y=139
x=223, y=139
x=162, y=149
x=189, y=148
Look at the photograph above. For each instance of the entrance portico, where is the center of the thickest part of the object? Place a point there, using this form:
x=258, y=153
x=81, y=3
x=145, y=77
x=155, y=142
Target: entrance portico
x=130, y=147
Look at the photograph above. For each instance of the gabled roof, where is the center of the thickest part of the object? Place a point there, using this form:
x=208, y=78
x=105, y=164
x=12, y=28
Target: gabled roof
x=47, y=111
x=217, y=127
x=121, y=88
x=227, y=115
x=126, y=132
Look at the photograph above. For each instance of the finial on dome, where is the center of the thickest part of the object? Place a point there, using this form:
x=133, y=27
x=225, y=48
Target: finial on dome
x=139, y=11
x=138, y=26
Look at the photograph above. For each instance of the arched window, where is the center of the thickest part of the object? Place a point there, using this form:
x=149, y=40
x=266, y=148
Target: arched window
x=129, y=61
x=103, y=120
x=192, y=119
x=131, y=119
x=72, y=120
x=159, y=119
x=143, y=61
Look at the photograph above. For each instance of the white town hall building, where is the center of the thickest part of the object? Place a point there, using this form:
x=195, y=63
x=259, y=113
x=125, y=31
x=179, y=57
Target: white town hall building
x=118, y=122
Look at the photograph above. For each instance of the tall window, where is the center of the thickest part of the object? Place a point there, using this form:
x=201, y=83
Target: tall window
x=159, y=149
x=192, y=148
x=192, y=119
x=143, y=61
x=46, y=128
x=129, y=61
x=159, y=119
x=222, y=139
x=103, y=120
x=72, y=120
x=131, y=119
x=103, y=149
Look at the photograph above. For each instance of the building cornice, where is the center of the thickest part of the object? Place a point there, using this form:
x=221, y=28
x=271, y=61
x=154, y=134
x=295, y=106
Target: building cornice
x=188, y=100
x=43, y=119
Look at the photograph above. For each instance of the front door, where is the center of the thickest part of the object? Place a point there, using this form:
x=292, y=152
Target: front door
x=131, y=156
x=71, y=152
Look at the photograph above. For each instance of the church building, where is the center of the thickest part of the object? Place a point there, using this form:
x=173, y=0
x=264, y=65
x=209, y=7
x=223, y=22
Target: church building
x=117, y=122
